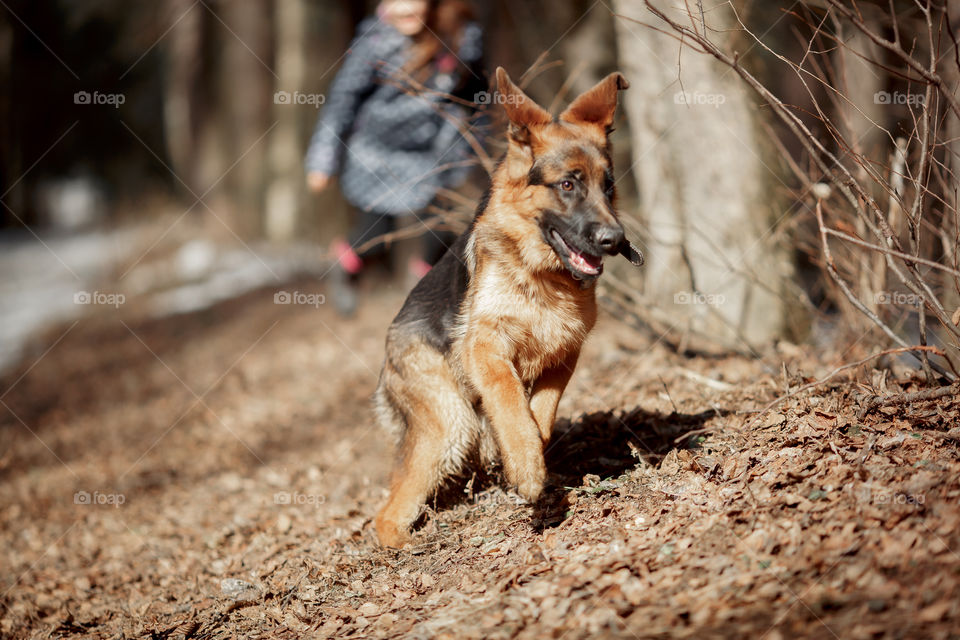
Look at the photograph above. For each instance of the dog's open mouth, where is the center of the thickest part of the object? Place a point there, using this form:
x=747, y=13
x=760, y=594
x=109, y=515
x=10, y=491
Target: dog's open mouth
x=581, y=265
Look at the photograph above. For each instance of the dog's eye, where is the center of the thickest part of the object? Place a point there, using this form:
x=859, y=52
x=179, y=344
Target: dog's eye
x=566, y=185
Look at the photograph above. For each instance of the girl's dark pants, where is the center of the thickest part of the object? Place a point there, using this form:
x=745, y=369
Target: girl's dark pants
x=371, y=225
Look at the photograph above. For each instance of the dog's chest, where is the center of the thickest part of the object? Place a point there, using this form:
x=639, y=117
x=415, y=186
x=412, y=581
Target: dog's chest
x=541, y=324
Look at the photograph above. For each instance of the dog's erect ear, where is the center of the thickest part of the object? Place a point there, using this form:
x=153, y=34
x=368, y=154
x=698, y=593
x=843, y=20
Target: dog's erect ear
x=597, y=105
x=522, y=111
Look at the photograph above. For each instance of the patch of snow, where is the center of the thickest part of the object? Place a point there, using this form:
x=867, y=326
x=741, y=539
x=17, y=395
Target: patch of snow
x=42, y=276
x=46, y=279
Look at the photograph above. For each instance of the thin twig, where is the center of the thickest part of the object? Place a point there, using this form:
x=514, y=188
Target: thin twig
x=908, y=398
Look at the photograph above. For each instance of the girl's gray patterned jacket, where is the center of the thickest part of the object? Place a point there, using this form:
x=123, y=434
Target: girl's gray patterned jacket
x=394, y=150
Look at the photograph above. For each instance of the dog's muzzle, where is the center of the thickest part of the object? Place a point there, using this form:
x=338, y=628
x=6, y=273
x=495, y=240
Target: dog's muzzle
x=608, y=239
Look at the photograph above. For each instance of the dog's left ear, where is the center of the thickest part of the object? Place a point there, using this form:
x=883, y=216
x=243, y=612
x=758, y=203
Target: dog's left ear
x=524, y=114
x=598, y=105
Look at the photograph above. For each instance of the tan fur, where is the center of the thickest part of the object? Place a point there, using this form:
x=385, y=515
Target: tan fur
x=519, y=333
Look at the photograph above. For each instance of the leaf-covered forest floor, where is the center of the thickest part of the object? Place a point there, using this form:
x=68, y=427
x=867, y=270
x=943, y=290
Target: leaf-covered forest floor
x=214, y=475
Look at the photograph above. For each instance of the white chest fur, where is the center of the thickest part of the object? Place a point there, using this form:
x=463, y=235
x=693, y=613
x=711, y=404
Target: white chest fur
x=538, y=322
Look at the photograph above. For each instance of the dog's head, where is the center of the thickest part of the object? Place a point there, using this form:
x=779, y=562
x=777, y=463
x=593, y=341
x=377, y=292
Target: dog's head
x=560, y=171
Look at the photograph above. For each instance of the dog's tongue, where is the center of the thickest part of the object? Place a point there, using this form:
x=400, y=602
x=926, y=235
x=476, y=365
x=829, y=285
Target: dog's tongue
x=585, y=263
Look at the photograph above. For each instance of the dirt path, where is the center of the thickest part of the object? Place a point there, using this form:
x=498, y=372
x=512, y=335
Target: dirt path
x=213, y=475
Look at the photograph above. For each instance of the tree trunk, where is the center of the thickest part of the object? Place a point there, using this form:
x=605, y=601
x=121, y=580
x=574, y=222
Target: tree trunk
x=285, y=193
x=182, y=78
x=713, y=267
x=245, y=83
x=861, y=116
x=951, y=223
x=589, y=61
x=9, y=158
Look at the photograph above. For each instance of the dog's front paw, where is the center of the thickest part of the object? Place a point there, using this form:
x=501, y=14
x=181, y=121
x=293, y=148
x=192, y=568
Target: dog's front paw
x=528, y=476
x=391, y=534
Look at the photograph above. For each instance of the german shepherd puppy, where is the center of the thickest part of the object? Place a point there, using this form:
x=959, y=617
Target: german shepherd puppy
x=480, y=353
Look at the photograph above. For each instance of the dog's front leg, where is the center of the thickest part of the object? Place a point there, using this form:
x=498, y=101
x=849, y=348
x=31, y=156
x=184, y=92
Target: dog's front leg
x=546, y=394
x=504, y=401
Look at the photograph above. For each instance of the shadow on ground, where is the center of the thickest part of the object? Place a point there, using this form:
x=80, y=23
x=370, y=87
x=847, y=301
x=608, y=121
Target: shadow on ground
x=604, y=444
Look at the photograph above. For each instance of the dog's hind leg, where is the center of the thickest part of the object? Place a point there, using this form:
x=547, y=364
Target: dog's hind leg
x=440, y=429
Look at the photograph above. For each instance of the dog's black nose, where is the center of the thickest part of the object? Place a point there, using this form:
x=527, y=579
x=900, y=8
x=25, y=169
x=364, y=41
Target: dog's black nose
x=609, y=239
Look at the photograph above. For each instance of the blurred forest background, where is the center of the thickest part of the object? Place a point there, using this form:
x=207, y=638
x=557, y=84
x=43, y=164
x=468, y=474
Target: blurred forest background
x=116, y=112
x=198, y=80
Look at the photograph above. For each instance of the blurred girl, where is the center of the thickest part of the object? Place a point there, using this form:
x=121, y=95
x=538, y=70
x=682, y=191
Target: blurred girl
x=390, y=131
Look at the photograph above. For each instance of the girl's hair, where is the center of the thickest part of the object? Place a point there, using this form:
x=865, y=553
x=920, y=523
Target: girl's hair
x=445, y=22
